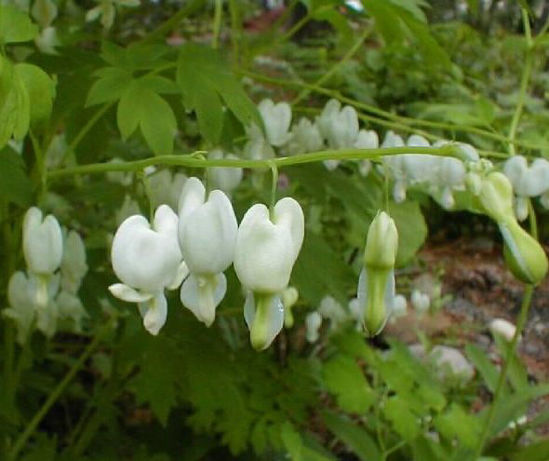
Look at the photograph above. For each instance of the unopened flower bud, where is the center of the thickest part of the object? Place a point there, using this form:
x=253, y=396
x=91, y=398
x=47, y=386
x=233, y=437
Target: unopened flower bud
x=381, y=243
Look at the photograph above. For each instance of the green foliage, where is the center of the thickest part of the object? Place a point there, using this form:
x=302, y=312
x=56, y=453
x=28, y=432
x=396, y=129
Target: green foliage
x=15, y=185
x=15, y=26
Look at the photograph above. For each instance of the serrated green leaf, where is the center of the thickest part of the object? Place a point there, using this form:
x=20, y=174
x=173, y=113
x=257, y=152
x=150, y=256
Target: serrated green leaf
x=14, y=103
x=206, y=83
x=15, y=25
x=40, y=88
x=344, y=378
x=155, y=383
x=455, y=422
x=359, y=441
x=139, y=106
x=112, y=83
x=15, y=185
x=412, y=230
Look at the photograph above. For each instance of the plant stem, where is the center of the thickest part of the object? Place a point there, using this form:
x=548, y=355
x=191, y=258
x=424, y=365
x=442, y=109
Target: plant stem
x=218, y=11
x=521, y=321
x=526, y=72
x=191, y=160
x=55, y=394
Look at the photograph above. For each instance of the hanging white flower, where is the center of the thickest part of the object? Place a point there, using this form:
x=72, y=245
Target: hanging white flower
x=366, y=139
x=313, y=322
x=257, y=147
x=420, y=301
x=503, y=328
x=207, y=237
x=42, y=242
x=73, y=263
x=165, y=187
x=276, y=119
x=306, y=137
x=21, y=299
x=147, y=259
x=224, y=178
x=266, y=250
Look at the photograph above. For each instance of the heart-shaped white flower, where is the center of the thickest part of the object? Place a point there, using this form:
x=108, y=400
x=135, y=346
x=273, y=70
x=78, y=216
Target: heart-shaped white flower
x=42, y=242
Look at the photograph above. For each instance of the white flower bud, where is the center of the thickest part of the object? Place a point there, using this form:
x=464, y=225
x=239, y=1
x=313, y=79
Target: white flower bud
x=73, y=264
x=420, y=301
x=42, y=242
x=339, y=127
x=306, y=137
x=503, y=328
x=165, y=188
x=22, y=307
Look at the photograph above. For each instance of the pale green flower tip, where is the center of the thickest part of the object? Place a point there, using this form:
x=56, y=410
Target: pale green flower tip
x=382, y=242
x=523, y=254
x=496, y=197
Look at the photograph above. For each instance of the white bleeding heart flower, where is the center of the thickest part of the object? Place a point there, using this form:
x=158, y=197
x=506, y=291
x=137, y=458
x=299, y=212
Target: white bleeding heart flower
x=165, y=187
x=526, y=181
x=71, y=310
x=306, y=137
x=73, y=263
x=42, y=242
x=22, y=306
x=257, y=147
x=333, y=311
x=277, y=119
x=420, y=301
x=267, y=247
x=207, y=237
x=366, y=139
x=223, y=178
x=313, y=322
x=338, y=126
x=147, y=259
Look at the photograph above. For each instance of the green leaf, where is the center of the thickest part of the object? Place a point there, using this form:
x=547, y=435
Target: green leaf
x=320, y=270
x=14, y=103
x=534, y=452
x=155, y=382
x=455, y=422
x=206, y=84
x=357, y=439
x=482, y=363
x=112, y=83
x=345, y=379
x=15, y=25
x=139, y=106
x=15, y=185
x=412, y=230
x=40, y=88
x=405, y=423
x=292, y=442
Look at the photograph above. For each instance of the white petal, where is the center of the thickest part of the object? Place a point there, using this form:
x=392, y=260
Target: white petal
x=202, y=295
x=142, y=258
x=182, y=273
x=288, y=213
x=128, y=294
x=156, y=314
x=192, y=196
x=42, y=242
x=367, y=139
x=265, y=252
x=208, y=235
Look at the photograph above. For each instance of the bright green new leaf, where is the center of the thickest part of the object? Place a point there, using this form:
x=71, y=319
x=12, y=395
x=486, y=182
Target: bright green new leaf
x=15, y=25
x=110, y=86
x=40, y=88
x=457, y=423
x=14, y=104
x=344, y=378
x=405, y=423
x=140, y=106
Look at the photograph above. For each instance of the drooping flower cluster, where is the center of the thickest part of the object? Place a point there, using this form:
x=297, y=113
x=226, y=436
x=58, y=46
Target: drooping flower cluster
x=195, y=247
x=46, y=295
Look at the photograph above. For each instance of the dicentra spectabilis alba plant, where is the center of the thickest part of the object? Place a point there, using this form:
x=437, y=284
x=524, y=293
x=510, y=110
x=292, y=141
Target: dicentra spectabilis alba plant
x=223, y=178
x=267, y=247
x=207, y=237
x=147, y=259
x=376, y=285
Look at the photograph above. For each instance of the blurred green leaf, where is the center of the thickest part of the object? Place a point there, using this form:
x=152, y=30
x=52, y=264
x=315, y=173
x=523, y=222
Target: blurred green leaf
x=15, y=25
x=345, y=379
x=483, y=364
x=357, y=439
x=15, y=185
x=40, y=88
x=412, y=229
